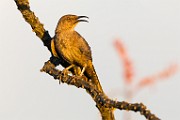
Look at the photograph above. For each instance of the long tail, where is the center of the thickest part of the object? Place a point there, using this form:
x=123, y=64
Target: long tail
x=90, y=73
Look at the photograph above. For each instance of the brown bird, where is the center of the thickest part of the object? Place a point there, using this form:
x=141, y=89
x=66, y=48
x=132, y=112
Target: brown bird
x=74, y=48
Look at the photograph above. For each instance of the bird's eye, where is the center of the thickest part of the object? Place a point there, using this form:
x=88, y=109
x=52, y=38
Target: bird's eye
x=68, y=18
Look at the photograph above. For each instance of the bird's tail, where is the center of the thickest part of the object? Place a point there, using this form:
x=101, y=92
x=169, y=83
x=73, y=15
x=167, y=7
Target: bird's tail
x=90, y=73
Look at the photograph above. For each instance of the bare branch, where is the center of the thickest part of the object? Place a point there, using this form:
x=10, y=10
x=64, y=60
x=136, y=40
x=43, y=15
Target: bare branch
x=36, y=25
x=99, y=97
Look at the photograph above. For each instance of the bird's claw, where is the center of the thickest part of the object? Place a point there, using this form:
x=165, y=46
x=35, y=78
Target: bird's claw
x=64, y=74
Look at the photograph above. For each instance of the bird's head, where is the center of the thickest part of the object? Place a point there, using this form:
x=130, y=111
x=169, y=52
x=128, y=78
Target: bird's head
x=68, y=22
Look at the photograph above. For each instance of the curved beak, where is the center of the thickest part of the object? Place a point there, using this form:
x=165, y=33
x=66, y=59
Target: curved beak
x=82, y=20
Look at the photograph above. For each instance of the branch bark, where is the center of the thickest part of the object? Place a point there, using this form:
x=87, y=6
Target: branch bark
x=103, y=103
x=99, y=97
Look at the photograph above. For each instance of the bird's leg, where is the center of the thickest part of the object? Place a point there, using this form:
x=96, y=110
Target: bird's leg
x=77, y=70
x=67, y=68
x=65, y=71
x=84, y=68
x=79, y=73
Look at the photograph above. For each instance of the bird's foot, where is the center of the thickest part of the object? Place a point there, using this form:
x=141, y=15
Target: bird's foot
x=81, y=77
x=64, y=74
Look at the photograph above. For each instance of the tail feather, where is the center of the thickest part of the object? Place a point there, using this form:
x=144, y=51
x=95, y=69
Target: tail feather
x=90, y=73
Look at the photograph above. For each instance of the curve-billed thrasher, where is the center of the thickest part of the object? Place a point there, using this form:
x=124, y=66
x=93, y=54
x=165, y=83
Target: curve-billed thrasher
x=73, y=47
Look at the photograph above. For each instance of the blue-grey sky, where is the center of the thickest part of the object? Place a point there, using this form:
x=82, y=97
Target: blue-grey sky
x=149, y=29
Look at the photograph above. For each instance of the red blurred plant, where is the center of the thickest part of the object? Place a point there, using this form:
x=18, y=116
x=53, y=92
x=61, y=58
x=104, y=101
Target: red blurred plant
x=149, y=80
x=128, y=74
x=127, y=63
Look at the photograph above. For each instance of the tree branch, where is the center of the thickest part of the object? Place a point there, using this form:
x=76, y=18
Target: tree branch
x=36, y=25
x=99, y=97
x=103, y=103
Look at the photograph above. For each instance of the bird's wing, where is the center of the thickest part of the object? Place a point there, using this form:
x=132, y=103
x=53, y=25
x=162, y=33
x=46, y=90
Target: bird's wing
x=84, y=47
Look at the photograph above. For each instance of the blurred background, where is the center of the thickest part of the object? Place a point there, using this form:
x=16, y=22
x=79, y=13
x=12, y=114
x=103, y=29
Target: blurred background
x=136, y=54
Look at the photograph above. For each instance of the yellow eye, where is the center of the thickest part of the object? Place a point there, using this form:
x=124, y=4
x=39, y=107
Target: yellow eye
x=68, y=18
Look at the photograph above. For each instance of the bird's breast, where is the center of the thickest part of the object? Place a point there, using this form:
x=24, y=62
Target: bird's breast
x=63, y=39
